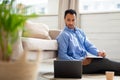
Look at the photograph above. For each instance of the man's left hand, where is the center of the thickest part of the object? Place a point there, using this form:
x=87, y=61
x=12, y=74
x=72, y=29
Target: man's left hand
x=102, y=53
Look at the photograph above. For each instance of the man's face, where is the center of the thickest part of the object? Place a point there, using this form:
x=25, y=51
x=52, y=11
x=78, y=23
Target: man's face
x=70, y=20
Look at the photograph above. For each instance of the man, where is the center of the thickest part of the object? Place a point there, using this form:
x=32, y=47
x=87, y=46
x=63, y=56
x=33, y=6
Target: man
x=74, y=45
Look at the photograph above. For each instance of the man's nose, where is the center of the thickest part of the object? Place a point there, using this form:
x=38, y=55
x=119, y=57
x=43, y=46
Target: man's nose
x=71, y=22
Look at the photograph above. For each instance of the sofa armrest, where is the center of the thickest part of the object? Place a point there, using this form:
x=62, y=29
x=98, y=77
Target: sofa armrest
x=54, y=33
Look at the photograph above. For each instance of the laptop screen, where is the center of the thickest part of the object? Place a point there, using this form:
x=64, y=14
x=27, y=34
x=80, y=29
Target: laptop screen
x=67, y=69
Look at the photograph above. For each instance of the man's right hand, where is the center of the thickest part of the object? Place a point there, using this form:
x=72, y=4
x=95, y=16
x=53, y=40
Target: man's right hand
x=86, y=61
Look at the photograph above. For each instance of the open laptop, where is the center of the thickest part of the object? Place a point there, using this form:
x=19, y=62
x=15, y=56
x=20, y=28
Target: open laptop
x=67, y=69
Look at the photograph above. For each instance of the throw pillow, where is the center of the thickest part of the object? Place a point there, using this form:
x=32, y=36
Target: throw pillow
x=36, y=30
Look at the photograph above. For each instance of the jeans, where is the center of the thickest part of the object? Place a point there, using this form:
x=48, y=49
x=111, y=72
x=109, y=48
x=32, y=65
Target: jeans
x=100, y=65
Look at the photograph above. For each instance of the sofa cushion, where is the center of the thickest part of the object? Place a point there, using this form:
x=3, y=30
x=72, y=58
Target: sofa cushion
x=34, y=43
x=54, y=33
x=36, y=30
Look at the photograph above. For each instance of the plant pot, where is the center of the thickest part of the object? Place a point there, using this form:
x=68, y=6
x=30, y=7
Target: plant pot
x=21, y=69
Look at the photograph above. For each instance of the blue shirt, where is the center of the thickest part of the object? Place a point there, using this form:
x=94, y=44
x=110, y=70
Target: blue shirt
x=74, y=45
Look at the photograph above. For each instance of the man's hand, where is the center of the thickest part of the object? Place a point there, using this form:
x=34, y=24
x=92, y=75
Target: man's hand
x=102, y=53
x=86, y=61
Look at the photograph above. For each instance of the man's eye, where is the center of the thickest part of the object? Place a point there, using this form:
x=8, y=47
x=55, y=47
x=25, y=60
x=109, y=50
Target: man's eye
x=73, y=20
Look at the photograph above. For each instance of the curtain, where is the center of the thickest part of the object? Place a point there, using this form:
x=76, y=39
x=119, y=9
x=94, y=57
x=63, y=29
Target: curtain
x=64, y=5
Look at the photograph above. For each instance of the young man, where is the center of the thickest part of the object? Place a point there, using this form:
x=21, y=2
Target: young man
x=74, y=45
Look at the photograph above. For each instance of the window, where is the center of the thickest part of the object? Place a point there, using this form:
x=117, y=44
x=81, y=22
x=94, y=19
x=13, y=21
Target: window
x=88, y=6
x=40, y=6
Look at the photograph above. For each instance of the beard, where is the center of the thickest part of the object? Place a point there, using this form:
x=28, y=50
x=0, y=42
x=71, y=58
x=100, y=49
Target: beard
x=70, y=26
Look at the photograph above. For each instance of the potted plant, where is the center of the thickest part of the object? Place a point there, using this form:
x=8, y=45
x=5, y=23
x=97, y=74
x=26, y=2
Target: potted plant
x=11, y=22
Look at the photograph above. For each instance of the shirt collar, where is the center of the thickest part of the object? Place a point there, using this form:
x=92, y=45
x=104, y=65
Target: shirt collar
x=71, y=30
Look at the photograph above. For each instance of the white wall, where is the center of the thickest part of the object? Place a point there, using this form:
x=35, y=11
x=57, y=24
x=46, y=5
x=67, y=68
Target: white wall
x=103, y=30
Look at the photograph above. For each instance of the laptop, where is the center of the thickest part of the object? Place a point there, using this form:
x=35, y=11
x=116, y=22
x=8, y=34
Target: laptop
x=67, y=69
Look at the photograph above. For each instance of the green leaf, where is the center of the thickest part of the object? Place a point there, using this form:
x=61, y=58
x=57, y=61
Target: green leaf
x=11, y=23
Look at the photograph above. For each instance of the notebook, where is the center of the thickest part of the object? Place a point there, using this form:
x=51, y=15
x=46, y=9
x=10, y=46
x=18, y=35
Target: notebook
x=67, y=69
x=93, y=56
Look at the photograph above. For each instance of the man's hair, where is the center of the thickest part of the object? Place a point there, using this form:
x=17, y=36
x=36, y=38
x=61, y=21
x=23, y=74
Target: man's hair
x=70, y=11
